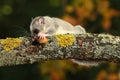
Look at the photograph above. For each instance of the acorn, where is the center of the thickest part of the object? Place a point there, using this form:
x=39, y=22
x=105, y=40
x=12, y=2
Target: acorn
x=45, y=40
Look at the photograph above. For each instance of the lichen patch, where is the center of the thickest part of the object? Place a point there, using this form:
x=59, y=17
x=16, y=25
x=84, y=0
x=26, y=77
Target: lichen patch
x=10, y=43
x=65, y=40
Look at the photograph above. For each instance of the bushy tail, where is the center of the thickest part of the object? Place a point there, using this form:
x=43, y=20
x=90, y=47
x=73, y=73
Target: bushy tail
x=85, y=63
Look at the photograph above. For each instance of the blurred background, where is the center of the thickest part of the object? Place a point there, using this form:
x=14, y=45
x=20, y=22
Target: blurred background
x=96, y=16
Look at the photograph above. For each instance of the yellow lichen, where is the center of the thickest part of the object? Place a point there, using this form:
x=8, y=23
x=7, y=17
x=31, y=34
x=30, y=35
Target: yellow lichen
x=10, y=43
x=65, y=40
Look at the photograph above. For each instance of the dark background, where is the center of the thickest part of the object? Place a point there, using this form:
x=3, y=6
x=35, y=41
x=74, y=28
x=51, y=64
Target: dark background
x=96, y=16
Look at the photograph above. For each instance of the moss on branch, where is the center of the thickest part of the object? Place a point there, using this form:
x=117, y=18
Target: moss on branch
x=91, y=47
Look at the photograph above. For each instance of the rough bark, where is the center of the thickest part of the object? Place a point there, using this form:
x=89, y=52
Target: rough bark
x=90, y=47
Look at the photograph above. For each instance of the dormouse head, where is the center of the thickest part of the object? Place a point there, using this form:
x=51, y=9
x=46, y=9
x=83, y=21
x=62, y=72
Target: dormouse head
x=42, y=24
x=37, y=25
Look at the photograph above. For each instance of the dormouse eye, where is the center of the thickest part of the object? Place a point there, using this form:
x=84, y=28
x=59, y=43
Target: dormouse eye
x=35, y=31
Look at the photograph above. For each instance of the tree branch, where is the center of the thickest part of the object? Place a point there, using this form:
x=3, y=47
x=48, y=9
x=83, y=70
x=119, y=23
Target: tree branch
x=91, y=47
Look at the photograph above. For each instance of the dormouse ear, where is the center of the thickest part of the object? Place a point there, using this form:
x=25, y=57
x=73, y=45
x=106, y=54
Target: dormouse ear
x=41, y=20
